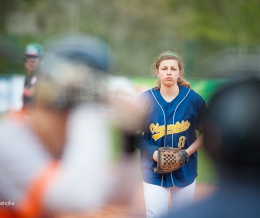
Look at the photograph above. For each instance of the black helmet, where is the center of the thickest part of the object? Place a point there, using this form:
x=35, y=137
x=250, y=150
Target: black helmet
x=232, y=133
x=74, y=67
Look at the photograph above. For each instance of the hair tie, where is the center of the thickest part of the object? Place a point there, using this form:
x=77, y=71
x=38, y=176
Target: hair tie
x=169, y=54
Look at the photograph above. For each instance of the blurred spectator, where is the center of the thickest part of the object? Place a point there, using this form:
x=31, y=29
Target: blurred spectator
x=58, y=159
x=232, y=139
x=32, y=57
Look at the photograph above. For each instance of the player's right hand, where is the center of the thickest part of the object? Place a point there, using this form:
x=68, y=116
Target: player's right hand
x=155, y=156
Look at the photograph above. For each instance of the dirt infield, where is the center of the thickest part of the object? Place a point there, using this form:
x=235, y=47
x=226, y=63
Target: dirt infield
x=137, y=208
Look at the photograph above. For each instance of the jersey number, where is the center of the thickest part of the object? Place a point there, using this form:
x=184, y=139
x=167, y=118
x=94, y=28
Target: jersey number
x=181, y=142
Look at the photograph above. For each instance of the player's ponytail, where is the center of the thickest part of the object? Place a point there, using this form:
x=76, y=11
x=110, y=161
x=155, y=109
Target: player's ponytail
x=182, y=82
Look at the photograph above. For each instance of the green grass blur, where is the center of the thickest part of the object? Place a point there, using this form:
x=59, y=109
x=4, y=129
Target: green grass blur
x=204, y=87
x=206, y=168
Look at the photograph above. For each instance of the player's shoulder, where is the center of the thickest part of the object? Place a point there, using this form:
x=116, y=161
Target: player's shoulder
x=193, y=93
x=147, y=94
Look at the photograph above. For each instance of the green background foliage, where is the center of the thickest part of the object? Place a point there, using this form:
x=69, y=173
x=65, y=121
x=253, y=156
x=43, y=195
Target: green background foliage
x=138, y=30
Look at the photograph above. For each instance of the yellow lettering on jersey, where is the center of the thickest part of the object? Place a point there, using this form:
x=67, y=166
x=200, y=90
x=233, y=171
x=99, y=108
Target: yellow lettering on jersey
x=159, y=131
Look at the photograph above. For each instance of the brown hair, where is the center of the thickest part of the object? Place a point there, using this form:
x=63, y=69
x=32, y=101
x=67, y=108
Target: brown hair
x=168, y=55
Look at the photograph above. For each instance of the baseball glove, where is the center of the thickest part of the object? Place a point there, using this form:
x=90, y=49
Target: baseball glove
x=170, y=159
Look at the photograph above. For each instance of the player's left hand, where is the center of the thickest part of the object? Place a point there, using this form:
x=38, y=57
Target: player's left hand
x=170, y=159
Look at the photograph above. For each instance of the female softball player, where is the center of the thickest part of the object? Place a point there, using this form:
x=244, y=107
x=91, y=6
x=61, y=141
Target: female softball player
x=174, y=112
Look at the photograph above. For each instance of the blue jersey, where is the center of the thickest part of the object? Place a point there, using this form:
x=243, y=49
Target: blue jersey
x=180, y=118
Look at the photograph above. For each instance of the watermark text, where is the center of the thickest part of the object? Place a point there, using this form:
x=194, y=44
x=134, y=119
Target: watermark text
x=6, y=203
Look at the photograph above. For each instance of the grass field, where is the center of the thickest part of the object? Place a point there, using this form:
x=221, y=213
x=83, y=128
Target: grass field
x=206, y=169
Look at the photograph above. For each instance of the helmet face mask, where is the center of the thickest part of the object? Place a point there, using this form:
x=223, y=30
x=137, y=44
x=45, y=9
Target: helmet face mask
x=72, y=74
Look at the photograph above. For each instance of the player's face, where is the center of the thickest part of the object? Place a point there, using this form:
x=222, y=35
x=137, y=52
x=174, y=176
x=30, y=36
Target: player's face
x=31, y=63
x=168, y=72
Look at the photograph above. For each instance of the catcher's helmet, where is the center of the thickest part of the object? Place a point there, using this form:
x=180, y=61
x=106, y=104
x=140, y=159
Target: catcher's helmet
x=74, y=67
x=231, y=134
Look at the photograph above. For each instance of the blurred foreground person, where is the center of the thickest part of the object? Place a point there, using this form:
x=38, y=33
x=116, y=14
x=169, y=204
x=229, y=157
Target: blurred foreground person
x=57, y=160
x=32, y=57
x=232, y=139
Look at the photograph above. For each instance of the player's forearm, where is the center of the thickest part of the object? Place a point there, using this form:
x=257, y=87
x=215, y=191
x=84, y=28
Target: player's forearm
x=197, y=144
x=144, y=146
